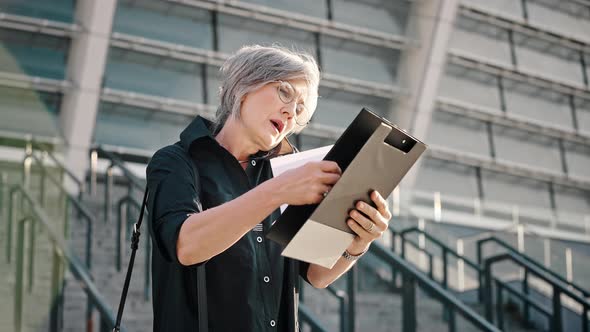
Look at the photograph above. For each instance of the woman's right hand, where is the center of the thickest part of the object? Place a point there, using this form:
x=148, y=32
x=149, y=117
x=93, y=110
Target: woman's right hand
x=308, y=183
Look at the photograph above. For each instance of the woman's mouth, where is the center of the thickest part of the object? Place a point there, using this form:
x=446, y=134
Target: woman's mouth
x=278, y=125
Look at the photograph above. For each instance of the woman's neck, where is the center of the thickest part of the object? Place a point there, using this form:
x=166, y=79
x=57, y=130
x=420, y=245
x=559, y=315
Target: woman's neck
x=231, y=137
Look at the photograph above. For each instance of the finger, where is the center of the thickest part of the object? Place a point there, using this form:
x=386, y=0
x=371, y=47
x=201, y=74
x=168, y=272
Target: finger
x=359, y=230
x=381, y=204
x=373, y=215
x=364, y=221
x=330, y=167
x=329, y=178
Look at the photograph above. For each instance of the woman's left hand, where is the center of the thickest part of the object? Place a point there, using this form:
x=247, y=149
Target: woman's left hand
x=369, y=223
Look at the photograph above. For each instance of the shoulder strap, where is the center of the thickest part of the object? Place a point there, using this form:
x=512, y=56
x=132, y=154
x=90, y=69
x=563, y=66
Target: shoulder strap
x=201, y=276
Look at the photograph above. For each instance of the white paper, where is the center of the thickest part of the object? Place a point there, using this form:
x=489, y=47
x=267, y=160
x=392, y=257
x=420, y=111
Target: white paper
x=284, y=163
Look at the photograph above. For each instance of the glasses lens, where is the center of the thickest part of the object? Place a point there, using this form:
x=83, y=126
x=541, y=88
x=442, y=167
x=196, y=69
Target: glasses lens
x=286, y=92
x=302, y=117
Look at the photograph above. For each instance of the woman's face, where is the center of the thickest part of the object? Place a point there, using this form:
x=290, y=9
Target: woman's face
x=266, y=118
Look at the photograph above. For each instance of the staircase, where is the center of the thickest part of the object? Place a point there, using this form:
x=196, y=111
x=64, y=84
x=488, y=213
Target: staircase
x=381, y=300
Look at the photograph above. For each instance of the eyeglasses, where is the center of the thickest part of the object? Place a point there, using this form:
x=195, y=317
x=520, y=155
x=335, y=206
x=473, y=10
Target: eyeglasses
x=287, y=94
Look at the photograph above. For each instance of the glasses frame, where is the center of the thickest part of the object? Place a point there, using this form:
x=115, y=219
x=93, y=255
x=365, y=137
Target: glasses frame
x=281, y=83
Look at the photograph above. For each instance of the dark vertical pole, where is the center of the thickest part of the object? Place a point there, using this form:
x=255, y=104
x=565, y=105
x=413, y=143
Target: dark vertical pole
x=585, y=319
x=574, y=113
x=562, y=155
x=479, y=179
x=552, y=196
x=491, y=140
x=408, y=303
x=501, y=93
x=488, y=292
x=330, y=10
x=480, y=294
x=525, y=290
x=512, y=45
x=525, y=11
x=204, y=79
x=445, y=263
x=499, y=312
x=584, y=68
x=317, y=38
x=351, y=285
x=452, y=323
x=556, y=322
x=215, y=30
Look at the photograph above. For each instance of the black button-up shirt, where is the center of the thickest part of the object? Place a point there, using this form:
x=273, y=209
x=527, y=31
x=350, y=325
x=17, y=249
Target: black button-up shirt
x=250, y=286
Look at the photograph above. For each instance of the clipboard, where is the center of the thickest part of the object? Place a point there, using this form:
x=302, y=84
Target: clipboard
x=373, y=154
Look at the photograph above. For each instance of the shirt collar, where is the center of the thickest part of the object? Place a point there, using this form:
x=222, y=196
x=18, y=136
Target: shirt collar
x=200, y=127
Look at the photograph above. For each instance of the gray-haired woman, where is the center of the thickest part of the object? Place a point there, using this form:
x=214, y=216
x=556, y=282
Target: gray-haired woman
x=213, y=197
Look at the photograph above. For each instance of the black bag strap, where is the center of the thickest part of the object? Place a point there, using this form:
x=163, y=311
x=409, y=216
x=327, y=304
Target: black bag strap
x=201, y=277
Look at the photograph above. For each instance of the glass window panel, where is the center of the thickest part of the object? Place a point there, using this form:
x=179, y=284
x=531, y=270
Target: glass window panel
x=545, y=14
x=505, y=7
x=33, y=54
x=583, y=114
x=29, y=111
x=515, y=190
x=234, y=32
x=339, y=108
x=361, y=61
x=307, y=7
x=153, y=75
x=481, y=39
x=128, y=126
x=446, y=178
x=578, y=159
x=471, y=86
x=548, y=59
x=538, y=103
x=572, y=200
x=458, y=132
x=527, y=148
x=56, y=10
x=167, y=22
x=387, y=16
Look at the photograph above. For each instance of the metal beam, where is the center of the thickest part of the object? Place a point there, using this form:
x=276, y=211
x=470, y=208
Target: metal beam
x=497, y=117
x=299, y=21
x=196, y=55
x=467, y=60
x=36, y=25
x=36, y=83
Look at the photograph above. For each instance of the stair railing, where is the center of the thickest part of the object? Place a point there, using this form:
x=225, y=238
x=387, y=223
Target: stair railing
x=411, y=278
x=522, y=295
x=558, y=287
x=493, y=239
x=308, y=317
x=34, y=214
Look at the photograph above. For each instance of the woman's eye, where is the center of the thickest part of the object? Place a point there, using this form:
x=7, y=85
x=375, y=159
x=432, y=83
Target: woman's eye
x=286, y=93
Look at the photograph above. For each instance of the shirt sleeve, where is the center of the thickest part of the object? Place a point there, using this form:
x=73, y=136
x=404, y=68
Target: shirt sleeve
x=173, y=197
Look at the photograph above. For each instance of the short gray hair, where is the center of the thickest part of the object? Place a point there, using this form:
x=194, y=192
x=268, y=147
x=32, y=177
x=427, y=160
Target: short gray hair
x=252, y=67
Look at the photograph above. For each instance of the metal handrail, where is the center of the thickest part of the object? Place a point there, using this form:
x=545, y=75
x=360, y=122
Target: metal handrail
x=63, y=253
x=524, y=298
x=559, y=288
x=116, y=161
x=60, y=165
x=479, y=251
x=412, y=276
x=522, y=295
x=343, y=301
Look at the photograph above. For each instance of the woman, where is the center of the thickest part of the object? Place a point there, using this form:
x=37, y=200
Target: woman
x=213, y=197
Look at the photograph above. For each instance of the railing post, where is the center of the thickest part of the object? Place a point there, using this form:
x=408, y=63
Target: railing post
x=42, y=181
x=12, y=215
x=32, y=235
x=121, y=222
x=19, y=282
x=55, y=291
x=445, y=267
x=499, y=311
x=556, y=321
x=3, y=186
x=452, y=322
x=393, y=270
x=525, y=290
x=107, y=194
x=93, y=171
x=585, y=319
x=408, y=303
x=351, y=285
x=479, y=243
x=487, y=298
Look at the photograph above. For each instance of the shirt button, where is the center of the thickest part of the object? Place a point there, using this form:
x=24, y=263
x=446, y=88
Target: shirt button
x=259, y=239
x=266, y=279
x=273, y=323
x=253, y=162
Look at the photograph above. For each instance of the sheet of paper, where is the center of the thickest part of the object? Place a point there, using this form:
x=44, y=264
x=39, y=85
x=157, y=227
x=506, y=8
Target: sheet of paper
x=284, y=163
